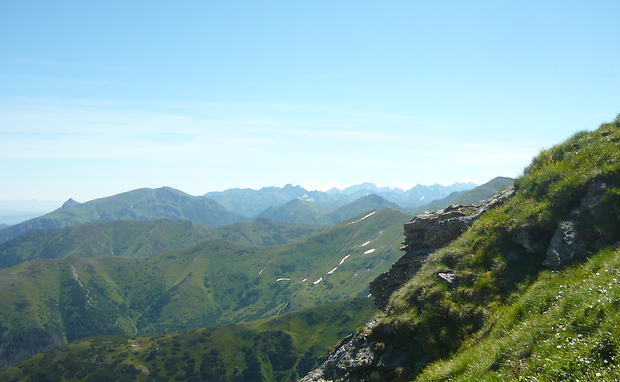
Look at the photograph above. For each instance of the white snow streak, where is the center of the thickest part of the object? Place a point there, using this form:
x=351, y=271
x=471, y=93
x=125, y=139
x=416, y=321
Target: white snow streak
x=261, y=271
x=343, y=259
x=318, y=281
x=370, y=214
x=283, y=279
x=332, y=271
x=370, y=251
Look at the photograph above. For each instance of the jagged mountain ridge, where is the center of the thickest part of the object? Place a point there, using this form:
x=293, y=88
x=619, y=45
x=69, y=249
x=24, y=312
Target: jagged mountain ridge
x=250, y=203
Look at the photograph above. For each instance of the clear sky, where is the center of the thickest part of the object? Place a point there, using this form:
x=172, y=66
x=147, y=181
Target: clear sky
x=101, y=97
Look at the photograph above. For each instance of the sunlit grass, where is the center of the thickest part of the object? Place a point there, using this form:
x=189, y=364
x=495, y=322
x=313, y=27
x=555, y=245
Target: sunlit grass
x=506, y=317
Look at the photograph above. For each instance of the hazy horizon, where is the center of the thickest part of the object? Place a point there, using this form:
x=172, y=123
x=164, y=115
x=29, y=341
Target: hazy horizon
x=101, y=98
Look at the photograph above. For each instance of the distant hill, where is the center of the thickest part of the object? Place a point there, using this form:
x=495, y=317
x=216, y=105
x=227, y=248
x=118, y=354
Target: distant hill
x=141, y=239
x=251, y=203
x=300, y=211
x=363, y=204
x=141, y=205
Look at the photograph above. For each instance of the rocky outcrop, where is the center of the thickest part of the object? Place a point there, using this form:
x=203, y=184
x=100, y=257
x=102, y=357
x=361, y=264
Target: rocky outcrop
x=574, y=237
x=426, y=233
x=352, y=361
x=565, y=246
x=363, y=356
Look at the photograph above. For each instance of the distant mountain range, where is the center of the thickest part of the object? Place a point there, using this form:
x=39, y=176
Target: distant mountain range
x=160, y=260
x=289, y=204
x=250, y=203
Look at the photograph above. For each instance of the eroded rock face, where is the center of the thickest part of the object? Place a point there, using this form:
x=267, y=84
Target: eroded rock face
x=565, y=246
x=569, y=242
x=424, y=234
x=352, y=361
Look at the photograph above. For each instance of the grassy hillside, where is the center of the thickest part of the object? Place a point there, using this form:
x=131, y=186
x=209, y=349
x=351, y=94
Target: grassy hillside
x=141, y=239
x=276, y=349
x=503, y=315
x=52, y=301
x=141, y=205
x=564, y=326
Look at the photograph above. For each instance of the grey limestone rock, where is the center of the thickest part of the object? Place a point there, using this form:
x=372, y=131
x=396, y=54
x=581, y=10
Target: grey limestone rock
x=565, y=246
x=351, y=361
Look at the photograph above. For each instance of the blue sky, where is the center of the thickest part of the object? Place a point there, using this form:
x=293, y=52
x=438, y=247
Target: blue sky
x=98, y=98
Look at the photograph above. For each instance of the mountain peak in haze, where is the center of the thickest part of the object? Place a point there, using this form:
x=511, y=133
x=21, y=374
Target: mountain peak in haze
x=70, y=203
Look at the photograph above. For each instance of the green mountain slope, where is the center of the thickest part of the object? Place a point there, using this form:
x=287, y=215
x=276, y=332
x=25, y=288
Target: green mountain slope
x=298, y=211
x=527, y=293
x=276, y=349
x=565, y=326
x=366, y=203
x=141, y=239
x=141, y=205
x=302, y=211
x=51, y=301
